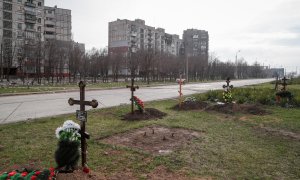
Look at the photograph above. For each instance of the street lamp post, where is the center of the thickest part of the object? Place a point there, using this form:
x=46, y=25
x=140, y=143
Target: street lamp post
x=187, y=68
x=236, y=64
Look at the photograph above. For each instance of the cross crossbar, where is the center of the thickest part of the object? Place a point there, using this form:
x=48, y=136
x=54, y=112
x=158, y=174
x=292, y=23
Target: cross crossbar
x=227, y=86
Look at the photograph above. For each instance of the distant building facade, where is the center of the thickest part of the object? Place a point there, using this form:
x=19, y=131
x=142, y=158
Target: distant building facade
x=125, y=36
x=30, y=23
x=58, y=23
x=21, y=22
x=196, y=43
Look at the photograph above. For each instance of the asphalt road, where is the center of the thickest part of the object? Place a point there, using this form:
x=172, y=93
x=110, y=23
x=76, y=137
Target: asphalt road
x=24, y=107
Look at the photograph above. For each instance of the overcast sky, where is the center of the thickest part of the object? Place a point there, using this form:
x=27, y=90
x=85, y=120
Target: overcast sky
x=267, y=31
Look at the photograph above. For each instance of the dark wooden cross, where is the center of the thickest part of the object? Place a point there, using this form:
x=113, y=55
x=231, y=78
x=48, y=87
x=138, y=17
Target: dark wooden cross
x=276, y=82
x=284, y=83
x=227, y=86
x=82, y=116
x=132, y=89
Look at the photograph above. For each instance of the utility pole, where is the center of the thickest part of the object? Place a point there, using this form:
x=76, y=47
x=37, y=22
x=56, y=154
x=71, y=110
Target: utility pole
x=236, y=64
x=187, y=68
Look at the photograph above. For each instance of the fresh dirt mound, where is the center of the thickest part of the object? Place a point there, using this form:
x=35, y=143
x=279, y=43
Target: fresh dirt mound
x=222, y=108
x=234, y=108
x=278, y=132
x=154, y=139
x=191, y=105
x=150, y=113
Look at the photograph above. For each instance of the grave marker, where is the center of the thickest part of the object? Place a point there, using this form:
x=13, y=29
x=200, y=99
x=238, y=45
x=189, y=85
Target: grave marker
x=227, y=86
x=180, y=81
x=81, y=115
x=284, y=83
x=132, y=89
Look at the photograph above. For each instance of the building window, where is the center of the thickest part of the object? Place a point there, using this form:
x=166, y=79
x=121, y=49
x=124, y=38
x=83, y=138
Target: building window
x=19, y=25
x=48, y=32
x=7, y=33
x=39, y=3
x=7, y=6
x=39, y=20
x=30, y=26
x=20, y=1
x=39, y=28
x=7, y=24
x=49, y=25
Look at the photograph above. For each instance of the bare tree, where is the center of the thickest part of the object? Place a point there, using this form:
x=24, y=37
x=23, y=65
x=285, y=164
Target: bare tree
x=104, y=64
x=75, y=61
x=116, y=62
x=9, y=49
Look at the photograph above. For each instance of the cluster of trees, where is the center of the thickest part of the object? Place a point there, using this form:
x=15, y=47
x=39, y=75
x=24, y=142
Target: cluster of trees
x=58, y=62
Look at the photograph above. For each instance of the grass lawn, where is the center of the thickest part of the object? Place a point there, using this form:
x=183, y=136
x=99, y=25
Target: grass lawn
x=230, y=146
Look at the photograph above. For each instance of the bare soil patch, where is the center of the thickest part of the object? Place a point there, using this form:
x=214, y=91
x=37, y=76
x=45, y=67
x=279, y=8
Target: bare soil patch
x=279, y=132
x=197, y=105
x=232, y=108
x=150, y=113
x=154, y=139
x=80, y=175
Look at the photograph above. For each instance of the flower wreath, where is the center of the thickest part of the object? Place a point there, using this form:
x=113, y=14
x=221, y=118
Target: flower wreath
x=69, y=131
x=227, y=96
x=139, y=103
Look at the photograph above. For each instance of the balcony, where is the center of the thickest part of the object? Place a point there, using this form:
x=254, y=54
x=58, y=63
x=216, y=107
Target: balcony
x=29, y=4
x=49, y=22
x=50, y=29
x=30, y=20
x=49, y=36
x=133, y=34
x=30, y=12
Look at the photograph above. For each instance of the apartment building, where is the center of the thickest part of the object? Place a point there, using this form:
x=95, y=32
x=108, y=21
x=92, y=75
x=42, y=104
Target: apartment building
x=196, y=43
x=125, y=36
x=20, y=23
x=58, y=23
x=29, y=23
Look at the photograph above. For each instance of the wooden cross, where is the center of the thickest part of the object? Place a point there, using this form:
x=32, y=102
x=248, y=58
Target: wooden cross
x=180, y=81
x=284, y=83
x=82, y=116
x=276, y=82
x=227, y=86
x=132, y=89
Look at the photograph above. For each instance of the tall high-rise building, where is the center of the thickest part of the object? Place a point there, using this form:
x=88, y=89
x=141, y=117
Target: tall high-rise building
x=58, y=23
x=20, y=23
x=196, y=43
x=29, y=23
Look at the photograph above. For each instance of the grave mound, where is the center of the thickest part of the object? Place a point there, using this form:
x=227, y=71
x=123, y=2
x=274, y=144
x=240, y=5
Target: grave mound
x=196, y=105
x=150, y=113
x=232, y=108
x=157, y=140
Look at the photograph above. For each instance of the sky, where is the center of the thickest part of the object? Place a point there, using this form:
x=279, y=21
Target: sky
x=266, y=31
